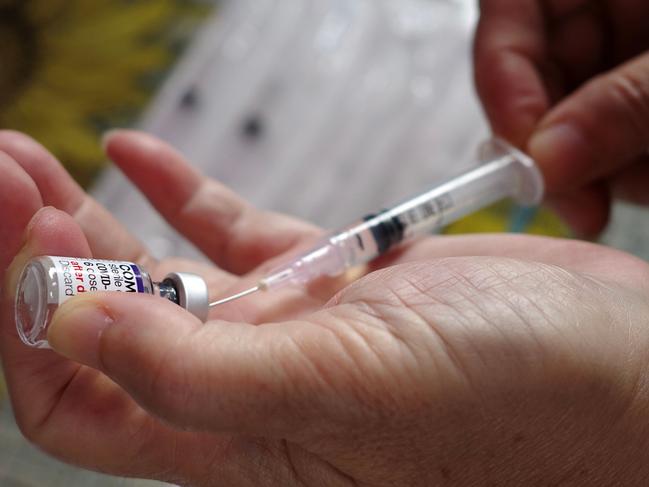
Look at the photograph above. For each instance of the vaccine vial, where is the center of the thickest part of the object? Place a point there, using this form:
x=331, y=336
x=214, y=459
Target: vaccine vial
x=47, y=282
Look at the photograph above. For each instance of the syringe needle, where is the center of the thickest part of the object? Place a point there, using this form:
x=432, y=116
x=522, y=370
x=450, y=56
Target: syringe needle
x=235, y=297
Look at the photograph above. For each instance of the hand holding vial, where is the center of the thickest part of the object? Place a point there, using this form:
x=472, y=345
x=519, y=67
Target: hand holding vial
x=47, y=282
x=455, y=361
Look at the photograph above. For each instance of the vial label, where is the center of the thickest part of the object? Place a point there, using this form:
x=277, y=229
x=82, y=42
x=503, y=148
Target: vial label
x=78, y=276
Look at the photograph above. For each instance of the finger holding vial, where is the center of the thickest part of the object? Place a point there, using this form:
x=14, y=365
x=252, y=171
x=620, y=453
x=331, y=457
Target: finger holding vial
x=69, y=410
x=75, y=412
x=49, y=281
x=42, y=375
x=49, y=184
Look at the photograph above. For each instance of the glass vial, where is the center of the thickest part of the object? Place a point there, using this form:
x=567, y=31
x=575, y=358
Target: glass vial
x=47, y=282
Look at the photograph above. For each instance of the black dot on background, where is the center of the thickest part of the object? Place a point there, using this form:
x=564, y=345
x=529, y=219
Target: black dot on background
x=189, y=98
x=253, y=127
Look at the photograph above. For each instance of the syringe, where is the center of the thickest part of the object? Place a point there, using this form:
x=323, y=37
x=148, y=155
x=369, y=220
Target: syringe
x=504, y=172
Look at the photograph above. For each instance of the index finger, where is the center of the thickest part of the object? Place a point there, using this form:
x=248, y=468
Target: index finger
x=512, y=66
x=230, y=231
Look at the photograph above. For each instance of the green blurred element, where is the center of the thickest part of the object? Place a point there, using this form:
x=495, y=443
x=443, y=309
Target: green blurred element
x=73, y=68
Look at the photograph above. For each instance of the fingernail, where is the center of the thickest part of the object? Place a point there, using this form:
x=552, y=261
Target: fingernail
x=562, y=153
x=76, y=329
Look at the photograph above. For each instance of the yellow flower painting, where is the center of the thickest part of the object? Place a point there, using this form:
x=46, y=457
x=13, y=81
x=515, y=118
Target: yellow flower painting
x=69, y=69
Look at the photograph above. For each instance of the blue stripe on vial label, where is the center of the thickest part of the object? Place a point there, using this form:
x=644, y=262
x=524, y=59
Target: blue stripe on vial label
x=138, y=278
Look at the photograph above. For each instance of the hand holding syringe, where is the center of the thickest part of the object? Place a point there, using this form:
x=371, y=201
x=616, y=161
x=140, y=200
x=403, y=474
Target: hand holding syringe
x=504, y=173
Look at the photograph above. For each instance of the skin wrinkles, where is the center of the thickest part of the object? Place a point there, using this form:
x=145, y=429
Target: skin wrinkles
x=367, y=318
x=359, y=388
x=354, y=396
x=398, y=308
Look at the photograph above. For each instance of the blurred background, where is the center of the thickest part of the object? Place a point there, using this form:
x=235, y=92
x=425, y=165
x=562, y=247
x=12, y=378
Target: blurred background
x=325, y=109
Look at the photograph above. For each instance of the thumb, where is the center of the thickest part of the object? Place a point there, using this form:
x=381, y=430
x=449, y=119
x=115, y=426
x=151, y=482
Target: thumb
x=221, y=377
x=601, y=128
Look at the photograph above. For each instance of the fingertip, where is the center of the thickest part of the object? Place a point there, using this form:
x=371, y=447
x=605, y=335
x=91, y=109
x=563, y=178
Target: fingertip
x=49, y=232
x=51, y=228
x=12, y=139
x=155, y=167
x=132, y=145
x=111, y=137
x=563, y=154
x=44, y=214
x=143, y=157
x=117, y=141
x=596, y=131
x=47, y=214
x=25, y=254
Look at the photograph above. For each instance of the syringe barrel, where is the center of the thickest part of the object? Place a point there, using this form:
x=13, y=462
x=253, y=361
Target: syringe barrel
x=504, y=172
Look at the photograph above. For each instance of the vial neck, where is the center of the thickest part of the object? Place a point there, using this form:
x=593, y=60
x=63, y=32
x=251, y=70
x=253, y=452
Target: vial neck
x=167, y=290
